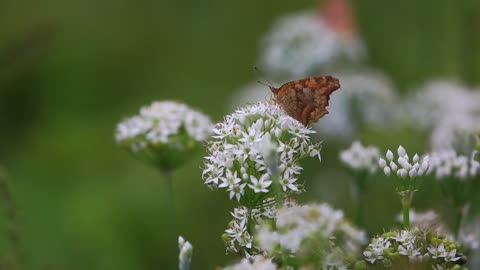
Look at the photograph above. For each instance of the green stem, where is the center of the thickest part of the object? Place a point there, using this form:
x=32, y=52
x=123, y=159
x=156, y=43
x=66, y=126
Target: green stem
x=406, y=216
x=11, y=214
x=460, y=215
x=279, y=195
x=359, y=212
x=406, y=199
x=358, y=195
x=172, y=242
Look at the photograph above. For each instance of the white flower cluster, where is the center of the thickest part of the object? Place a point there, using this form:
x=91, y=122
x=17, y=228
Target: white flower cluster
x=236, y=237
x=300, y=42
x=421, y=247
x=469, y=235
x=256, y=262
x=305, y=231
x=163, y=123
x=185, y=255
x=449, y=109
x=253, y=147
x=448, y=164
x=404, y=169
x=361, y=158
x=366, y=99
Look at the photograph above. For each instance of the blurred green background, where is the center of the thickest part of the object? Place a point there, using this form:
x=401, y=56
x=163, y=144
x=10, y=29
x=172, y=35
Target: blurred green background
x=70, y=70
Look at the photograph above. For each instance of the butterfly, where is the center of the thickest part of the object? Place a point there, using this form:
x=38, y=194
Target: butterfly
x=306, y=100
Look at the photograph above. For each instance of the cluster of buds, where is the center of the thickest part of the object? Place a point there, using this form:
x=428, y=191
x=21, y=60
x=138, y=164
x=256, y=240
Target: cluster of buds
x=408, y=172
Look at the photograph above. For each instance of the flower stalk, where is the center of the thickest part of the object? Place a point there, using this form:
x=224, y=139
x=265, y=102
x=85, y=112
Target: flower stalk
x=172, y=242
x=361, y=162
x=406, y=198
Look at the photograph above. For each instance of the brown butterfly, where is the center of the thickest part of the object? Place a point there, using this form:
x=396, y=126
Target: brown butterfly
x=306, y=100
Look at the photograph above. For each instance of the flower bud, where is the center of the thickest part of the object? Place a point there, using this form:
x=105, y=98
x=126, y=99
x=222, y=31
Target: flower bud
x=389, y=155
x=386, y=170
x=382, y=163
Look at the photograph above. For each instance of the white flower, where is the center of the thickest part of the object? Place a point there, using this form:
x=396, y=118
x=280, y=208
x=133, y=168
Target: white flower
x=302, y=41
x=451, y=256
x=405, y=237
x=469, y=235
x=448, y=109
x=254, y=146
x=288, y=183
x=422, y=247
x=296, y=225
x=359, y=157
x=260, y=185
x=437, y=252
x=236, y=236
x=409, y=250
x=376, y=249
x=163, y=123
x=449, y=164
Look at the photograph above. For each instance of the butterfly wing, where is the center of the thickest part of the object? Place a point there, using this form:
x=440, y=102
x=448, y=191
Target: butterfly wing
x=307, y=100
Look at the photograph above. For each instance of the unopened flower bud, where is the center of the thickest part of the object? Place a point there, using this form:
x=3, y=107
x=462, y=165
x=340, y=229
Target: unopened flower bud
x=382, y=163
x=389, y=155
x=401, y=151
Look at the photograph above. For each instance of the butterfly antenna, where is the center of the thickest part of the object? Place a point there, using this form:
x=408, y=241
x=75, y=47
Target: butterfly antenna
x=262, y=75
x=260, y=82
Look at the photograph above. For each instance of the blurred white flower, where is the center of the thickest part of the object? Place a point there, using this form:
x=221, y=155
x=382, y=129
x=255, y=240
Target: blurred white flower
x=469, y=235
x=302, y=229
x=302, y=42
x=449, y=109
x=256, y=262
x=163, y=130
x=240, y=161
x=449, y=164
x=361, y=158
x=426, y=219
x=157, y=122
x=365, y=99
x=185, y=256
